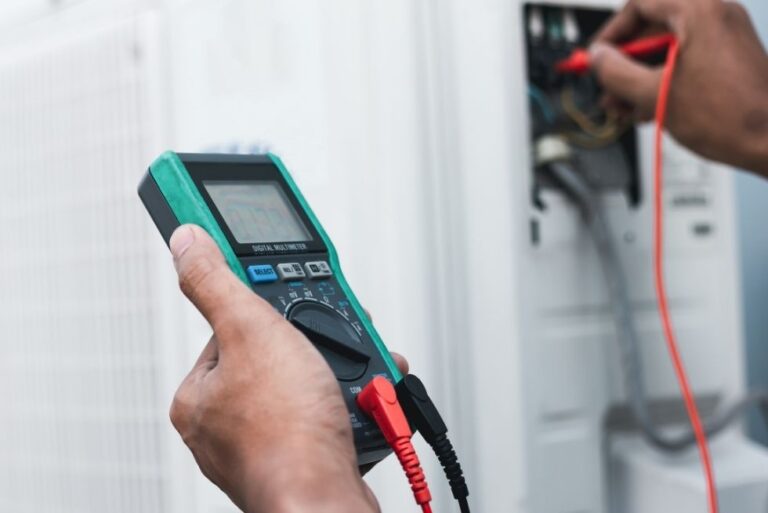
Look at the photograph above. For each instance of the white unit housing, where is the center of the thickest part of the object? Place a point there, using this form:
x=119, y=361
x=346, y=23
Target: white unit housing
x=84, y=404
x=543, y=394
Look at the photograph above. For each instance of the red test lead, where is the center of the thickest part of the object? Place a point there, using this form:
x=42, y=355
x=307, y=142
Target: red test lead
x=661, y=286
x=379, y=401
x=579, y=61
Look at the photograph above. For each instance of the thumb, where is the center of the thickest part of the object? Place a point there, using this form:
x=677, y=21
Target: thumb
x=205, y=278
x=625, y=78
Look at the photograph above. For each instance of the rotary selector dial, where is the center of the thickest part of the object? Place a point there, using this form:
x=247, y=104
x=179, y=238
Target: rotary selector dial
x=333, y=335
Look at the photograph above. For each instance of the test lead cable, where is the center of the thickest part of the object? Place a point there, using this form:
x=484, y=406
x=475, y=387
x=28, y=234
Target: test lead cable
x=379, y=401
x=426, y=419
x=580, y=62
x=661, y=288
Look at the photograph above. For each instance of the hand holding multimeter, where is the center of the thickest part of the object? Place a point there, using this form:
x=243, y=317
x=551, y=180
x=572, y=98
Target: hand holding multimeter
x=261, y=269
x=260, y=410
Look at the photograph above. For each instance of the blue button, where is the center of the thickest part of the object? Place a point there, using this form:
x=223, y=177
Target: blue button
x=262, y=273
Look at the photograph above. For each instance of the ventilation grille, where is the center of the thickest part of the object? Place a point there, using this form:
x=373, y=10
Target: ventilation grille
x=81, y=422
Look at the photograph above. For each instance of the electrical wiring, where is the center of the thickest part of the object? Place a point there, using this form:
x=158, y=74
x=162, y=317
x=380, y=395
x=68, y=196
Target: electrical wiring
x=538, y=96
x=608, y=131
x=661, y=291
x=590, y=135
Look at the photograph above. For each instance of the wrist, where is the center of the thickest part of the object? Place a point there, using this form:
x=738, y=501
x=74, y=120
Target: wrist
x=754, y=133
x=755, y=142
x=317, y=497
x=295, y=480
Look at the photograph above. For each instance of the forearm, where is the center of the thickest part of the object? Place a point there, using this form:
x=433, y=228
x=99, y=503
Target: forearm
x=317, y=500
x=738, y=136
x=750, y=101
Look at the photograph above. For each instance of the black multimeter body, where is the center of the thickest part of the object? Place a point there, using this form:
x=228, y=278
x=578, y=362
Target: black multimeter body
x=273, y=242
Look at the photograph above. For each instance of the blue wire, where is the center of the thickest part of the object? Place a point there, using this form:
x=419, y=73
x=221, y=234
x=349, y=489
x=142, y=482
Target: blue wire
x=541, y=100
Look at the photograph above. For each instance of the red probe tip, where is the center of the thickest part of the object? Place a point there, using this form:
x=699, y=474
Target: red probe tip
x=578, y=62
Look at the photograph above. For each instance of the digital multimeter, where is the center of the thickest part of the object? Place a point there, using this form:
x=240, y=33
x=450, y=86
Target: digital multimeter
x=273, y=242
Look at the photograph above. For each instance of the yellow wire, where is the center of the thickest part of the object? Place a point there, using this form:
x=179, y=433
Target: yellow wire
x=608, y=131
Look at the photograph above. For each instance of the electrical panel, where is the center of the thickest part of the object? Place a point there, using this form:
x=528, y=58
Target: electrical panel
x=569, y=105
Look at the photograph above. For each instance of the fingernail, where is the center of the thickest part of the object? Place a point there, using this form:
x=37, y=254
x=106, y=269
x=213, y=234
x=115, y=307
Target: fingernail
x=181, y=240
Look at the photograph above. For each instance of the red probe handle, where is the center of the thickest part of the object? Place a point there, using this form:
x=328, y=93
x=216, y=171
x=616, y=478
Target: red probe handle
x=379, y=401
x=648, y=46
x=579, y=61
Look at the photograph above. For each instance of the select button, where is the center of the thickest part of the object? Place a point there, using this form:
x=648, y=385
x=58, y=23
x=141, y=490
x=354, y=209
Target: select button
x=262, y=274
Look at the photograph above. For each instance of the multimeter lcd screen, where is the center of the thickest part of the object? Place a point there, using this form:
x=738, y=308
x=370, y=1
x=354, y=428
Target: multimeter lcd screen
x=257, y=212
